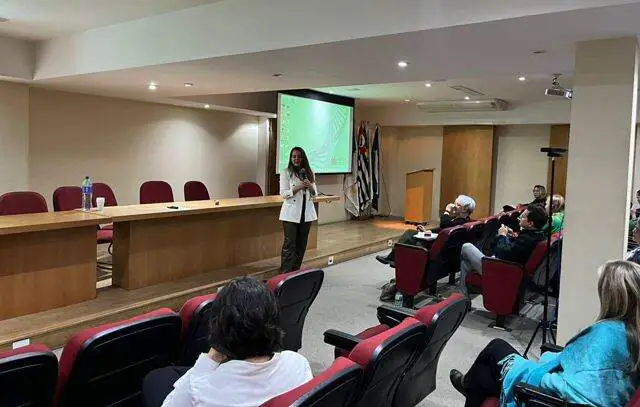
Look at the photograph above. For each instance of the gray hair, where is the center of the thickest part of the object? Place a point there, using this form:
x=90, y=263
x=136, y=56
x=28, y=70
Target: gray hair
x=468, y=203
x=619, y=292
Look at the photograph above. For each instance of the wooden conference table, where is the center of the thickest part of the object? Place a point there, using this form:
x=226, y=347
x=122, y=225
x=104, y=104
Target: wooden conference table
x=48, y=260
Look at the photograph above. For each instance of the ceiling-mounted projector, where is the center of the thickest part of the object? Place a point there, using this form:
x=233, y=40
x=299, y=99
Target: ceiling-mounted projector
x=557, y=90
x=444, y=106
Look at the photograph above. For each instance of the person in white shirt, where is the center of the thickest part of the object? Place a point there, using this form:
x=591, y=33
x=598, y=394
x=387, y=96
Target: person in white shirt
x=243, y=367
x=297, y=187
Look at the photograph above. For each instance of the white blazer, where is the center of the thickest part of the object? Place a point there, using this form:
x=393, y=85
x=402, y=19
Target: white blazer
x=292, y=206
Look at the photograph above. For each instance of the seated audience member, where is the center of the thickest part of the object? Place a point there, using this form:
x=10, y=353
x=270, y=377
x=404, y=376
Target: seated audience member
x=557, y=213
x=539, y=196
x=508, y=245
x=634, y=254
x=243, y=367
x=455, y=214
x=636, y=213
x=598, y=366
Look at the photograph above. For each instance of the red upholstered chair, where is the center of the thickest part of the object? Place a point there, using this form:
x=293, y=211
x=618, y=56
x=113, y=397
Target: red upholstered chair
x=411, y=267
x=249, y=190
x=491, y=226
x=503, y=282
x=69, y=198
x=22, y=202
x=195, y=191
x=295, y=292
x=155, y=192
x=491, y=402
x=106, y=364
x=195, y=315
x=444, y=256
x=335, y=387
x=384, y=357
x=474, y=231
x=28, y=376
x=442, y=320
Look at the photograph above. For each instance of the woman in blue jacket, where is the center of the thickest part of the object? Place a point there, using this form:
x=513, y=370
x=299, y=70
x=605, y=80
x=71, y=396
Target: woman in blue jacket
x=598, y=367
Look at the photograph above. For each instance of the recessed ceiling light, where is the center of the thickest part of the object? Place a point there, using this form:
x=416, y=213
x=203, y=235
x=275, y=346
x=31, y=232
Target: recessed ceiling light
x=402, y=64
x=188, y=84
x=207, y=106
x=4, y=20
x=407, y=100
x=522, y=78
x=539, y=51
x=277, y=75
x=153, y=86
x=467, y=98
x=428, y=84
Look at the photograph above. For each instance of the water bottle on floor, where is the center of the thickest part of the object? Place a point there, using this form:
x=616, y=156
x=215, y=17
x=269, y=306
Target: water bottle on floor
x=87, y=192
x=398, y=299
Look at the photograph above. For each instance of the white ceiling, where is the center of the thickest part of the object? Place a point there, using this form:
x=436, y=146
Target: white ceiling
x=506, y=87
x=42, y=19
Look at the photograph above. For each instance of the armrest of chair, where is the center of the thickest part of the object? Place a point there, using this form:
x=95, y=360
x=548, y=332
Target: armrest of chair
x=340, y=340
x=551, y=347
x=525, y=394
x=392, y=316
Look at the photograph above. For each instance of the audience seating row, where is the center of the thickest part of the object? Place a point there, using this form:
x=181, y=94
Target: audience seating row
x=107, y=364
x=502, y=283
x=70, y=197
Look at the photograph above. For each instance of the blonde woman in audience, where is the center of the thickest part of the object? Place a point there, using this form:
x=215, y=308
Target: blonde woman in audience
x=598, y=367
x=244, y=366
x=557, y=211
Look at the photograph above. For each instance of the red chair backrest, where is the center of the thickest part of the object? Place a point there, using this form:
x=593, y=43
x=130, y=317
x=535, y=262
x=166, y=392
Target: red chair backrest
x=28, y=376
x=501, y=284
x=195, y=315
x=22, y=202
x=445, y=239
x=475, y=229
x=411, y=265
x=249, y=189
x=335, y=387
x=635, y=400
x=296, y=292
x=107, y=364
x=155, y=192
x=442, y=320
x=195, y=191
x=384, y=358
x=100, y=189
x=536, y=258
x=67, y=198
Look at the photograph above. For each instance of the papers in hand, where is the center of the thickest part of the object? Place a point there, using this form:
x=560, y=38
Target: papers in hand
x=426, y=235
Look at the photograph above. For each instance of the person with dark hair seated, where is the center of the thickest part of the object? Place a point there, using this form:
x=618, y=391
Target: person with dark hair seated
x=539, y=195
x=598, y=367
x=244, y=366
x=508, y=245
x=455, y=214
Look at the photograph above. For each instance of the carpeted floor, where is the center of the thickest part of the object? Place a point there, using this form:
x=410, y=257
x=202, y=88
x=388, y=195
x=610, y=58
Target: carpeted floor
x=348, y=302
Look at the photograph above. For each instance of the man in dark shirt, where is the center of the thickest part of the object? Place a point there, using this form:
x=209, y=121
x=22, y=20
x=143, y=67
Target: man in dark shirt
x=508, y=246
x=455, y=214
x=539, y=196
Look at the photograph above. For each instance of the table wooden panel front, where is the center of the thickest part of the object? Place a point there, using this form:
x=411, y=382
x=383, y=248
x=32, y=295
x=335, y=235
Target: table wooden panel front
x=47, y=260
x=155, y=244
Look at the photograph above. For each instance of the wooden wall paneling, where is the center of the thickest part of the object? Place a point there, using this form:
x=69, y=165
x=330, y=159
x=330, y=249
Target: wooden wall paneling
x=559, y=137
x=273, y=179
x=467, y=166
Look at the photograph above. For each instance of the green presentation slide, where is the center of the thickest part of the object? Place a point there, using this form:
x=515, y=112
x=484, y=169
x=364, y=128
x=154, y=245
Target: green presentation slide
x=322, y=129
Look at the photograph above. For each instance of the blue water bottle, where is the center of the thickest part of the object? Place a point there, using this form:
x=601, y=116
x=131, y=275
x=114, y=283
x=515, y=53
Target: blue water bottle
x=87, y=193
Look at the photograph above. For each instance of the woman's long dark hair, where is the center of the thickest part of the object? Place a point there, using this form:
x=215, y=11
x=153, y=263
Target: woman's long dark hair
x=304, y=164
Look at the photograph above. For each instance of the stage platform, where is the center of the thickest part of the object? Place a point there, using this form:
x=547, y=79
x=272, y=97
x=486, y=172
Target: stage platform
x=342, y=241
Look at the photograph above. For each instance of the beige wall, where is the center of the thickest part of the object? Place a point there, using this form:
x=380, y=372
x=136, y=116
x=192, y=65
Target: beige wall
x=14, y=137
x=407, y=149
x=124, y=143
x=520, y=164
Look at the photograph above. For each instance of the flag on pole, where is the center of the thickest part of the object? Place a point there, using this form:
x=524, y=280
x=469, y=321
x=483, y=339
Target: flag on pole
x=375, y=168
x=364, y=176
x=350, y=186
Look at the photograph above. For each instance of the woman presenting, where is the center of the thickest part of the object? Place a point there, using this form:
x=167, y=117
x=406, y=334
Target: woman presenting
x=297, y=187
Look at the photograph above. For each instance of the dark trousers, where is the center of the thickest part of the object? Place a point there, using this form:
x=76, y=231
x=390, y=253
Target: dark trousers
x=408, y=237
x=159, y=383
x=294, y=245
x=483, y=380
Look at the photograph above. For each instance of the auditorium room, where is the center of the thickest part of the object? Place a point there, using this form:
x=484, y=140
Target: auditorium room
x=225, y=203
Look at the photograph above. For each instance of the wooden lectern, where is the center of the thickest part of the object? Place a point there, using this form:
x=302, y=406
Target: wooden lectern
x=418, y=196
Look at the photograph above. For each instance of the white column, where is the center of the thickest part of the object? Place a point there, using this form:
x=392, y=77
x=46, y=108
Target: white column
x=599, y=175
